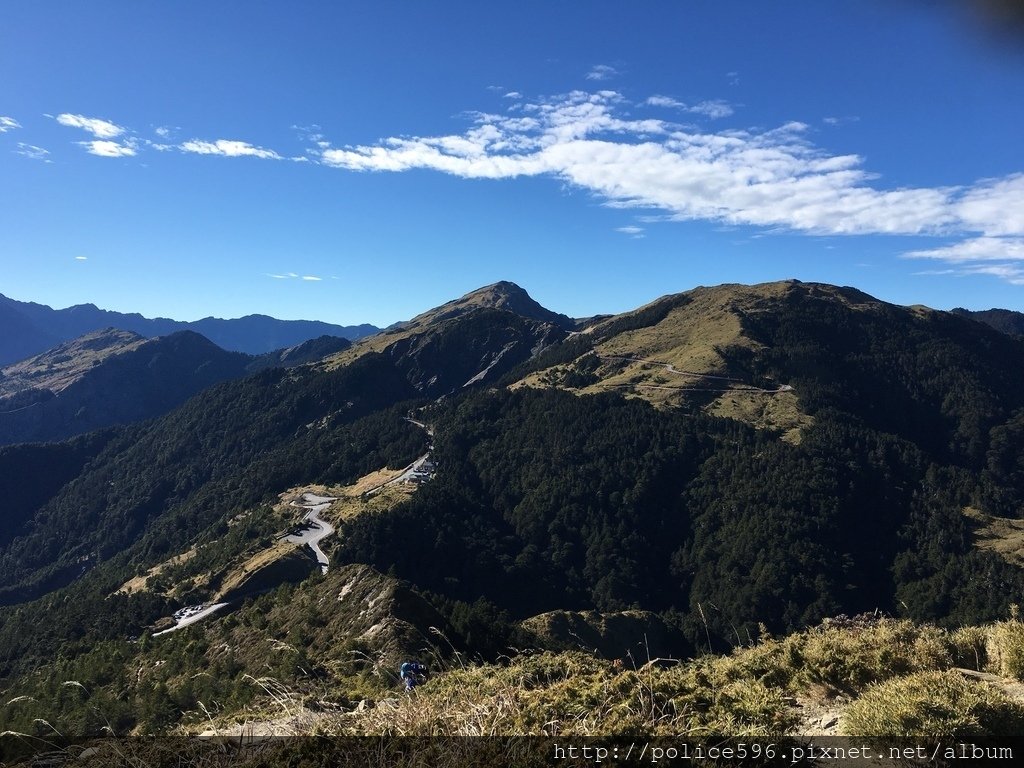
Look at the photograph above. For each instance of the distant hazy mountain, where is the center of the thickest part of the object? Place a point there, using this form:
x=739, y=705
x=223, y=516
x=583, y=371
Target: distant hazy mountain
x=1004, y=320
x=113, y=377
x=306, y=352
x=105, y=378
x=27, y=328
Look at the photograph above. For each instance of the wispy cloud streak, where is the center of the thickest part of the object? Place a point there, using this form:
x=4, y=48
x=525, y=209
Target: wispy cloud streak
x=32, y=152
x=228, y=148
x=601, y=72
x=714, y=109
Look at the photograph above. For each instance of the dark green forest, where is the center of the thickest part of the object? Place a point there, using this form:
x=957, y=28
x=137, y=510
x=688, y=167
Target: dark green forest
x=547, y=500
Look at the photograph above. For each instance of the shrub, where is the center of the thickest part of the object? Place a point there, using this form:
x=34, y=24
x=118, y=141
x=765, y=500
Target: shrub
x=969, y=647
x=941, y=705
x=847, y=658
x=1005, y=647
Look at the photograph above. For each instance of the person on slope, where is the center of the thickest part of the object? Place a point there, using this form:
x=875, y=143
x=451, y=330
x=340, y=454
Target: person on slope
x=412, y=674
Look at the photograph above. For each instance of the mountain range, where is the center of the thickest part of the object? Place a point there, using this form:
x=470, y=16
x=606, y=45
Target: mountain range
x=720, y=463
x=31, y=328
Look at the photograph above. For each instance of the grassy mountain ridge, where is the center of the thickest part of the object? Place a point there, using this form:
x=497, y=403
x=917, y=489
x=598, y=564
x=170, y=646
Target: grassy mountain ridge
x=111, y=377
x=762, y=354
x=483, y=334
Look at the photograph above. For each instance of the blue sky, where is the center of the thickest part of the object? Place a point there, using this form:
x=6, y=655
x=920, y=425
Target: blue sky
x=363, y=161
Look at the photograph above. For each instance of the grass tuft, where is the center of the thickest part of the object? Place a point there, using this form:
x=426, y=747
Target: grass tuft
x=941, y=705
x=1005, y=646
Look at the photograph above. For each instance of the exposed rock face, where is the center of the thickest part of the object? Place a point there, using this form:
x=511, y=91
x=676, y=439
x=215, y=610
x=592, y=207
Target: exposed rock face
x=472, y=348
x=385, y=613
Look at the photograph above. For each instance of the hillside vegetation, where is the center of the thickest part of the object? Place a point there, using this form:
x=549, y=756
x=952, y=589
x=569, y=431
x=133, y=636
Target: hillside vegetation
x=876, y=680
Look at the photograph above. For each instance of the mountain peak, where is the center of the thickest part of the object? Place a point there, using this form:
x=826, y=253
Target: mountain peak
x=503, y=295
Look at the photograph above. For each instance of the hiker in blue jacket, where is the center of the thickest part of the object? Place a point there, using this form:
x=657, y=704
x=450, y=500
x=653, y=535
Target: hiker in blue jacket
x=412, y=674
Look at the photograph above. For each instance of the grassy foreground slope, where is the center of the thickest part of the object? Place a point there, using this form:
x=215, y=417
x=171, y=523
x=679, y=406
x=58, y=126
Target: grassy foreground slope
x=881, y=681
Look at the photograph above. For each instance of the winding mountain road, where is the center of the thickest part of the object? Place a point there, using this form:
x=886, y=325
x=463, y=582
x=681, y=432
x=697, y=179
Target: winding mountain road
x=421, y=466
x=313, y=528
x=191, y=615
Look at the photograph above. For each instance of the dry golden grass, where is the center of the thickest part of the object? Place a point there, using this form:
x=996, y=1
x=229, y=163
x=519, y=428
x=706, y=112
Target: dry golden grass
x=237, y=575
x=691, y=338
x=1001, y=535
x=574, y=694
x=1005, y=646
x=370, y=481
x=138, y=583
x=780, y=411
x=942, y=705
x=349, y=507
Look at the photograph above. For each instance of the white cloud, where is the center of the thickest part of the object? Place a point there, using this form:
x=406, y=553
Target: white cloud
x=101, y=129
x=81, y=258
x=108, y=148
x=8, y=124
x=312, y=278
x=630, y=230
x=513, y=95
x=32, y=152
x=994, y=206
x=228, y=148
x=774, y=179
x=601, y=72
x=164, y=131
